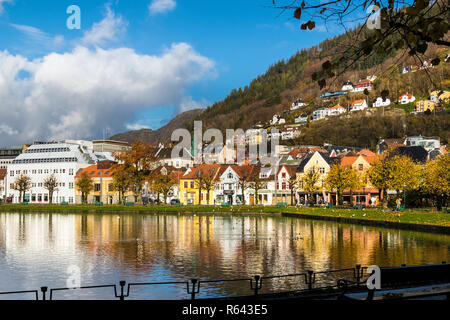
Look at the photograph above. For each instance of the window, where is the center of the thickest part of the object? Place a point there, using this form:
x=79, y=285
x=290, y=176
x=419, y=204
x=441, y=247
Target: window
x=63, y=171
x=70, y=185
x=45, y=197
x=40, y=171
x=110, y=187
x=25, y=171
x=361, y=167
x=322, y=170
x=34, y=171
x=283, y=186
x=17, y=171
x=40, y=184
x=230, y=175
x=11, y=173
x=55, y=171
x=185, y=184
x=70, y=199
x=283, y=175
x=70, y=172
x=192, y=185
x=46, y=171
x=97, y=187
x=33, y=185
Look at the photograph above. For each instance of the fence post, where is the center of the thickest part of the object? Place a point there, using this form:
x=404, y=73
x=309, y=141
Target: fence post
x=122, y=285
x=44, y=290
x=358, y=274
x=195, y=288
x=258, y=284
x=310, y=279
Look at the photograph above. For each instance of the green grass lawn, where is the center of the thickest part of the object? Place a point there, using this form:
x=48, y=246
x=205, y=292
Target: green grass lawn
x=415, y=216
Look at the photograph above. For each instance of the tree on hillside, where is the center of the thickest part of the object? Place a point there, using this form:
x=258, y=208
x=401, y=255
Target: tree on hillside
x=436, y=179
x=51, y=184
x=386, y=27
x=310, y=180
x=22, y=184
x=85, y=185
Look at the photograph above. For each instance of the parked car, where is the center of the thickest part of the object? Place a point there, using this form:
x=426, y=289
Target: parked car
x=174, y=202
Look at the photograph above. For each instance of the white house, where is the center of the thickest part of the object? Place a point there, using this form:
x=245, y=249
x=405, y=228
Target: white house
x=336, y=110
x=358, y=105
x=347, y=86
x=301, y=118
x=428, y=143
x=39, y=161
x=289, y=133
x=362, y=85
x=320, y=114
x=406, y=98
x=277, y=120
x=227, y=188
x=182, y=160
x=381, y=102
x=297, y=104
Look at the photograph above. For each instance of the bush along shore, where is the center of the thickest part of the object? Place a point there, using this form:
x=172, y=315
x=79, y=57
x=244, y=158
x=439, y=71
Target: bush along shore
x=417, y=219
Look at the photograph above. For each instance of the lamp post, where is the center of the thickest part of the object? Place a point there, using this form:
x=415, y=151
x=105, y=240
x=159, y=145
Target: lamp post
x=404, y=195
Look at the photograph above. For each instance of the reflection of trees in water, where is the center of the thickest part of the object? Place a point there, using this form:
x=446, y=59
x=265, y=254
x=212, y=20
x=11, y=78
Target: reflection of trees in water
x=218, y=247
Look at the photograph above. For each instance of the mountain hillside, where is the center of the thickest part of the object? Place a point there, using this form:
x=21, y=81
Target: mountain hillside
x=164, y=133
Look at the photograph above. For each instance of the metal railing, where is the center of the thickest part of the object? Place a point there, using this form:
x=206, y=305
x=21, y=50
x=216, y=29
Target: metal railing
x=306, y=282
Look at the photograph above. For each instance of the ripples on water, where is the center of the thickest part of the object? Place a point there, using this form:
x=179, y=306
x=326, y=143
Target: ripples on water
x=37, y=249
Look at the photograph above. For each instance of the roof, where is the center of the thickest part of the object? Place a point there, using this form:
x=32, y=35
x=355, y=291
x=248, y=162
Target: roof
x=394, y=142
x=94, y=172
x=290, y=169
x=358, y=102
x=348, y=160
x=367, y=153
x=337, y=107
x=211, y=168
x=415, y=153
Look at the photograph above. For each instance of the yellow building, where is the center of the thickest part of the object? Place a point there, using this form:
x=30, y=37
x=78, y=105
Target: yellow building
x=425, y=105
x=102, y=177
x=438, y=96
x=190, y=184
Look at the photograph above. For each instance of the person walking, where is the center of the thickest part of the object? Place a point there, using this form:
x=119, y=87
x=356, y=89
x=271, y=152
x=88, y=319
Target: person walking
x=399, y=202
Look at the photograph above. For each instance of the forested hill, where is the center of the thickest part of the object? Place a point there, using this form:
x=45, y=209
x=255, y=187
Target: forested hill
x=287, y=80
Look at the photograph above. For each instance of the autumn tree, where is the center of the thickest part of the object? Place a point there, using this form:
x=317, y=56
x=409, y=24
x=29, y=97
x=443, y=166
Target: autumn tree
x=256, y=182
x=386, y=27
x=162, y=184
x=22, y=184
x=85, y=185
x=341, y=178
x=122, y=181
x=51, y=184
x=310, y=179
x=292, y=184
x=137, y=162
x=436, y=179
x=205, y=178
x=244, y=180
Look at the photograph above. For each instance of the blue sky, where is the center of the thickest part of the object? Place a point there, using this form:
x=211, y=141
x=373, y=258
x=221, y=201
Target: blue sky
x=232, y=41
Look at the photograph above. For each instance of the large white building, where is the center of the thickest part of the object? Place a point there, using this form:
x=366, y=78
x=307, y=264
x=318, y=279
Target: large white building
x=39, y=161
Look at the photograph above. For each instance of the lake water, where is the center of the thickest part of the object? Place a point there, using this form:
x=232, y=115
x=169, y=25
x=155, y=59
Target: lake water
x=38, y=249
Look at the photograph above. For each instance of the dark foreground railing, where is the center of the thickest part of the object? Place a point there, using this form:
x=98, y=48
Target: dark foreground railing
x=304, y=282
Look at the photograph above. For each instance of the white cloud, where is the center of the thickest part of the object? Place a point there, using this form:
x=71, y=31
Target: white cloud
x=39, y=36
x=161, y=6
x=2, y=2
x=187, y=103
x=78, y=93
x=136, y=126
x=106, y=30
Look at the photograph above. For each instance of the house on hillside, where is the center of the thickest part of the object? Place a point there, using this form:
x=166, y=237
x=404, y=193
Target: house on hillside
x=439, y=96
x=381, y=102
x=277, y=120
x=336, y=110
x=425, y=105
x=164, y=157
x=358, y=105
x=384, y=145
x=297, y=104
x=428, y=143
x=362, y=85
x=284, y=184
x=228, y=189
x=406, y=98
x=347, y=86
x=319, y=114
x=289, y=133
x=301, y=118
